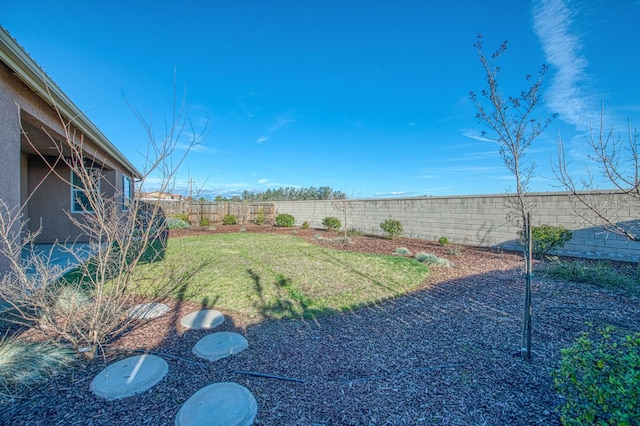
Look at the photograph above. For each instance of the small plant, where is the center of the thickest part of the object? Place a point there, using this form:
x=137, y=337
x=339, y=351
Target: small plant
x=229, y=219
x=182, y=216
x=600, y=380
x=285, y=220
x=332, y=224
x=600, y=273
x=205, y=222
x=402, y=251
x=353, y=232
x=343, y=240
x=260, y=217
x=318, y=237
x=175, y=223
x=24, y=365
x=305, y=225
x=547, y=238
x=391, y=228
x=454, y=251
x=443, y=241
x=431, y=259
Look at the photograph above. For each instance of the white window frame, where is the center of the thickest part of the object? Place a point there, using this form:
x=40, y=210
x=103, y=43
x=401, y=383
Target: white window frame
x=78, y=192
x=127, y=192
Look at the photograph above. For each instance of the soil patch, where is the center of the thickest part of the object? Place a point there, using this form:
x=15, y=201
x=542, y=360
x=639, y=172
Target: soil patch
x=445, y=354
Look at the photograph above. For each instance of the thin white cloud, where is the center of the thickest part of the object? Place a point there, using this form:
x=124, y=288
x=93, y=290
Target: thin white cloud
x=393, y=194
x=263, y=181
x=476, y=135
x=552, y=22
x=279, y=123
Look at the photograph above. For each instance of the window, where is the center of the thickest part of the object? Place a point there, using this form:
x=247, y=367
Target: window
x=126, y=192
x=80, y=194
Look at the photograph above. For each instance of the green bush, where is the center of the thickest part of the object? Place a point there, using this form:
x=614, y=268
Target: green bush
x=229, y=219
x=547, y=238
x=391, y=228
x=285, y=220
x=205, y=222
x=260, y=217
x=175, y=223
x=443, y=241
x=305, y=225
x=182, y=216
x=600, y=380
x=331, y=223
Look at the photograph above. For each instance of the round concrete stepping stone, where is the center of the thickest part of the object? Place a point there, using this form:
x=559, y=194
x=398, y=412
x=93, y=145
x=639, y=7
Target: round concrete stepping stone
x=220, y=345
x=220, y=404
x=148, y=310
x=202, y=320
x=129, y=377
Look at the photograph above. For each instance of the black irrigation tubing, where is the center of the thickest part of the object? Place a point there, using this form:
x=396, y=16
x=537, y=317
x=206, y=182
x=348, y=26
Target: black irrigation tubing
x=269, y=376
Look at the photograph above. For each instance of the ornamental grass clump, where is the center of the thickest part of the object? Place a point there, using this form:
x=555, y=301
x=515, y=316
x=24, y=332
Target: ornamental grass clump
x=402, y=251
x=24, y=365
x=431, y=259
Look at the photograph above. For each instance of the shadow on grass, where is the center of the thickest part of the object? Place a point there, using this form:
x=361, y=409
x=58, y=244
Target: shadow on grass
x=288, y=301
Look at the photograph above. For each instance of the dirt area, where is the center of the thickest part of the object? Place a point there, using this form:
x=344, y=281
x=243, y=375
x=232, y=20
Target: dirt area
x=445, y=354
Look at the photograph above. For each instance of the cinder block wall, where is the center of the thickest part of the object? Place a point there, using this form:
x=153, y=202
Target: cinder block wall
x=478, y=220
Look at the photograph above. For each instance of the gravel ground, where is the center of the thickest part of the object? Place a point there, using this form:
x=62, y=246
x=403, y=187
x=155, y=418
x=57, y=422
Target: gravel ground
x=445, y=354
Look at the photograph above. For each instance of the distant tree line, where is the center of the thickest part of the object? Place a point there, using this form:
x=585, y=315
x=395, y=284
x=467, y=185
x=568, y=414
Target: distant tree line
x=288, y=193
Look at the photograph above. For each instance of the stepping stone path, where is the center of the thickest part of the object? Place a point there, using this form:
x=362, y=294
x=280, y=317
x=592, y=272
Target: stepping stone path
x=148, y=310
x=205, y=319
x=220, y=345
x=129, y=377
x=223, y=404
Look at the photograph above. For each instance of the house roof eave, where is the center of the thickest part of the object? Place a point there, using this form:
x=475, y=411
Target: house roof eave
x=29, y=72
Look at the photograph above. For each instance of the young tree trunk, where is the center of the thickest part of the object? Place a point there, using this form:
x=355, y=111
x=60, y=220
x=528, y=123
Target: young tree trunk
x=525, y=343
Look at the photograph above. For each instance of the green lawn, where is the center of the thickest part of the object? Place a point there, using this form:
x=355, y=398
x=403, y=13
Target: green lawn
x=281, y=276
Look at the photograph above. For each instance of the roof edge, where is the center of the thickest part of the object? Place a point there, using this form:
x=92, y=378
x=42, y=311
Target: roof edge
x=35, y=78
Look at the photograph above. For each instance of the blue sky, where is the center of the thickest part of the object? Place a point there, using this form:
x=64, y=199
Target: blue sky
x=368, y=97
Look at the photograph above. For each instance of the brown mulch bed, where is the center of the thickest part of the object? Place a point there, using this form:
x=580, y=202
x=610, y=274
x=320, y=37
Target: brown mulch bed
x=445, y=354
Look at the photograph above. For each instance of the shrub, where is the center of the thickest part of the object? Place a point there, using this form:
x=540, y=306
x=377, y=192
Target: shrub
x=431, y=259
x=600, y=380
x=285, y=220
x=229, y=219
x=182, y=216
x=205, y=222
x=600, y=273
x=305, y=225
x=443, y=241
x=547, y=238
x=331, y=223
x=175, y=223
x=454, y=251
x=391, y=228
x=260, y=217
x=402, y=251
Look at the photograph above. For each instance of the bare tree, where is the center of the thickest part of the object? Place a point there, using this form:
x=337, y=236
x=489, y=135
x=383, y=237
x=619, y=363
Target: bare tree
x=513, y=126
x=90, y=306
x=616, y=159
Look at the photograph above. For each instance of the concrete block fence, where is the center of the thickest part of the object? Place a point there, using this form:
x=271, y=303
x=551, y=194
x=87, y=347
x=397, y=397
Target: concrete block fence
x=479, y=220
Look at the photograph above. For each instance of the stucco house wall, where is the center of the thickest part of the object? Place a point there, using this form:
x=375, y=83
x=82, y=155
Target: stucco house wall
x=32, y=112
